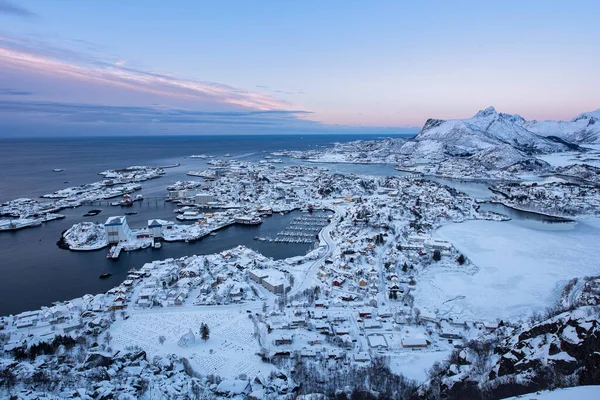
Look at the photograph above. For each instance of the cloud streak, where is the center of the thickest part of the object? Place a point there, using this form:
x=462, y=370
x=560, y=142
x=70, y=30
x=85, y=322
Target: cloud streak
x=44, y=59
x=9, y=8
x=13, y=92
x=68, y=112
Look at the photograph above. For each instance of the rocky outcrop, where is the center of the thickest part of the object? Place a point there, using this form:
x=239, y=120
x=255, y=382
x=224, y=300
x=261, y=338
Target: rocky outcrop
x=562, y=350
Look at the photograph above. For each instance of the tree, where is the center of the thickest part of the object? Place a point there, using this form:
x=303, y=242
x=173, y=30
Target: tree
x=204, y=332
x=161, y=339
x=404, y=267
x=437, y=255
x=460, y=259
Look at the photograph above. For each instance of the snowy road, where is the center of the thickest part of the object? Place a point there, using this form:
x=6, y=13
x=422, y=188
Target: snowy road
x=325, y=236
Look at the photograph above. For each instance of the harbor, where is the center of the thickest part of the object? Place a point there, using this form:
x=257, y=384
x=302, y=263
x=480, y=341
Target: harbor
x=304, y=228
x=48, y=274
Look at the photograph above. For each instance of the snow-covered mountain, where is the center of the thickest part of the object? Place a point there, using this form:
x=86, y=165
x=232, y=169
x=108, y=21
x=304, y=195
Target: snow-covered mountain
x=584, y=128
x=487, y=130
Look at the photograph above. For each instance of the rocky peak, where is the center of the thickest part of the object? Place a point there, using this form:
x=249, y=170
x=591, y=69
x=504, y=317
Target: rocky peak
x=486, y=113
x=432, y=123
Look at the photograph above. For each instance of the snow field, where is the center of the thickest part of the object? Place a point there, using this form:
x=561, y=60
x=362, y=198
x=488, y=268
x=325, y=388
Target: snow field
x=230, y=351
x=521, y=269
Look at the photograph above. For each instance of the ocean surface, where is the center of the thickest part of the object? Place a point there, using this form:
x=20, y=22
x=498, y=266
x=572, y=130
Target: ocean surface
x=35, y=272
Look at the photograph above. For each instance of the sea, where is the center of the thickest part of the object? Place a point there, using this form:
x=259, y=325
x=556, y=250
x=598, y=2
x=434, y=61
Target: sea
x=35, y=272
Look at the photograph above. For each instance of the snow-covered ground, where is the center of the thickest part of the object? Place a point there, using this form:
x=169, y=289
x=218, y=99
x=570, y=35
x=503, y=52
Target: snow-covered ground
x=579, y=393
x=415, y=364
x=520, y=268
x=574, y=157
x=230, y=350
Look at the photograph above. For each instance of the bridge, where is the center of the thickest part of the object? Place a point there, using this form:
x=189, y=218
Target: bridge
x=156, y=200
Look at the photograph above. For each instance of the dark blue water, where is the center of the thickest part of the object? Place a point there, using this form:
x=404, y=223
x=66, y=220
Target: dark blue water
x=35, y=272
x=27, y=164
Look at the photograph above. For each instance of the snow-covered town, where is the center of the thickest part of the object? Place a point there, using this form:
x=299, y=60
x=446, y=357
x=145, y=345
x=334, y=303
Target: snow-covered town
x=239, y=324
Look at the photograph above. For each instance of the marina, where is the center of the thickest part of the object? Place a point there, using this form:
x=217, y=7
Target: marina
x=304, y=229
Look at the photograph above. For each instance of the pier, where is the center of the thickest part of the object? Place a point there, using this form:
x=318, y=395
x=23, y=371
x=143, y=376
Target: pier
x=303, y=229
x=146, y=200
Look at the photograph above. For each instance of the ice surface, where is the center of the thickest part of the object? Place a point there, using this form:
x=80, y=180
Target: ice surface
x=519, y=268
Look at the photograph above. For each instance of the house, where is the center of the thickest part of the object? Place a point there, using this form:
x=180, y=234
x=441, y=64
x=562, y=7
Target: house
x=283, y=340
x=362, y=357
x=307, y=353
x=233, y=387
x=364, y=313
x=338, y=282
x=415, y=343
x=371, y=324
x=321, y=304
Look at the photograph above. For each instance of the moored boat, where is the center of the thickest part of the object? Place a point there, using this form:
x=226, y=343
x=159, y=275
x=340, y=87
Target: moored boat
x=248, y=220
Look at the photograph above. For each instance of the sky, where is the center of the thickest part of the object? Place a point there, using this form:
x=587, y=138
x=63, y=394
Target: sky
x=218, y=67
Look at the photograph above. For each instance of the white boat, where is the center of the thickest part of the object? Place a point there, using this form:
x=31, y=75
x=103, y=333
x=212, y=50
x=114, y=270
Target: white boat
x=57, y=170
x=248, y=220
x=190, y=216
x=157, y=245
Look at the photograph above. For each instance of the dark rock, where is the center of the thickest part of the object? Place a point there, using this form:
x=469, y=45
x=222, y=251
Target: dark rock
x=97, y=360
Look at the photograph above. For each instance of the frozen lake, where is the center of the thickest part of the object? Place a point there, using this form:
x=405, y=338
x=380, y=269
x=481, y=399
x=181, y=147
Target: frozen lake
x=522, y=267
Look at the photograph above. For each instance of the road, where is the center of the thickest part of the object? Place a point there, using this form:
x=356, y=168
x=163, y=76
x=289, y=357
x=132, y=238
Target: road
x=324, y=236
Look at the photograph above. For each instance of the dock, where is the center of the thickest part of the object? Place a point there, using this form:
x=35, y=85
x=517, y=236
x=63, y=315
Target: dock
x=303, y=229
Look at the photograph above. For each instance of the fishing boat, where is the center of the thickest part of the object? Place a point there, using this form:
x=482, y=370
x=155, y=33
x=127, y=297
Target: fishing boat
x=104, y=276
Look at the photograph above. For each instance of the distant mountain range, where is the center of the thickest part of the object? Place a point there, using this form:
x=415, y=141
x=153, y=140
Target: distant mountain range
x=584, y=128
x=488, y=130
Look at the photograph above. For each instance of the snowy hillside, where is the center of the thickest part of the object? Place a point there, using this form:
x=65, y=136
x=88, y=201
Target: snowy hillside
x=557, y=350
x=487, y=130
x=584, y=128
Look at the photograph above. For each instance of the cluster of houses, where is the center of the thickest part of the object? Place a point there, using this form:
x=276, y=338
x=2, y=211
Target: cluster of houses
x=555, y=198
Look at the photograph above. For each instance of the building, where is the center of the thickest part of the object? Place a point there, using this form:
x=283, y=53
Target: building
x=117, y=229
x=257, y=276
x=155, y=228
x=204, y=198
x=415, y=343
x=272, y=285
x=283, y=340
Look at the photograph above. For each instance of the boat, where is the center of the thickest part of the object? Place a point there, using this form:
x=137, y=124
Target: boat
x=157, y=245
x=190, y=216
x=57, y=170
x=127, y=201
x=213, y=234
x=265, y=211
x=130, y=213
x=19, y=223
x=139, y=197
x=146, y=245
x=248, y=220
x=104, y=276
x=91, y=213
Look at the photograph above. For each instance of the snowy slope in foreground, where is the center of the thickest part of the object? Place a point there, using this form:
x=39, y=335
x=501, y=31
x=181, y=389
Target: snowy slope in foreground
x=520, y=268
x=584, y=128
x=579, y=393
